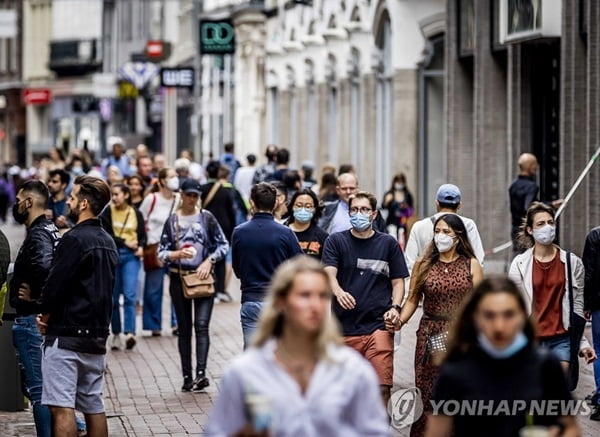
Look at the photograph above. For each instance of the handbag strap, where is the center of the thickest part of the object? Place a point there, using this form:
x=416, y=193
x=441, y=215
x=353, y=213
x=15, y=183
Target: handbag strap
x=124, y=222
x=570, y=289
x=150, y=212
x=177, y=241
x=211, y=194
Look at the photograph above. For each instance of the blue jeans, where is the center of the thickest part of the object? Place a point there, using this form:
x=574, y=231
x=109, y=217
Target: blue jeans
x=559, y=345
x=249, y=315
x=125, y=280
x=596, y=341
x=28, y=341
x=153, y=295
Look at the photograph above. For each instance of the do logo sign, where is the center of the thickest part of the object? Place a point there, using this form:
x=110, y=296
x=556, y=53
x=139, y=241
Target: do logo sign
x=217, y=37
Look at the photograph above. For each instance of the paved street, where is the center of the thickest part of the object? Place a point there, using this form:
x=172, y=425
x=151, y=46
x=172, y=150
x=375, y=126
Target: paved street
x=143, y=386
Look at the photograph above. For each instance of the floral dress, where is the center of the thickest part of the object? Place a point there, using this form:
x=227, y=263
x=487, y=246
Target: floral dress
x=446, y=286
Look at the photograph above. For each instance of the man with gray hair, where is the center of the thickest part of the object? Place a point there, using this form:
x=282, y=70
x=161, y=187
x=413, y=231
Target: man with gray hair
x=116, y=157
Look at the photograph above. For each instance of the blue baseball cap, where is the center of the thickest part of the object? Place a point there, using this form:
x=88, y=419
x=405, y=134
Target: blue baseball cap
x=448, y=193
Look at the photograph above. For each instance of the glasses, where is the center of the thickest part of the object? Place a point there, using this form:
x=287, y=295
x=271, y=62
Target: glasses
x=362, y=210
x=300, y=206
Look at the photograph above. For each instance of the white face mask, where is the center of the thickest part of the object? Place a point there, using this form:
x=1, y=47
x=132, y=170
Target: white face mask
x=173, y=183
x=443, y=242
x=544, y=235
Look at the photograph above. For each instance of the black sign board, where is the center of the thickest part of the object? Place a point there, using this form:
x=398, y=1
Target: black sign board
x=179, y=77
x=217, y=37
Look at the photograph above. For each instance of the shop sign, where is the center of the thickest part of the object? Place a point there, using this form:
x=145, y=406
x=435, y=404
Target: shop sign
x=37, y=96
x=217, y=37
x=182, y=77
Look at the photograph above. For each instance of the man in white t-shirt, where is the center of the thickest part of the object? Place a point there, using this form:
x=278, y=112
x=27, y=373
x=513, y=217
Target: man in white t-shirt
x=244, y=175
x=448, y=200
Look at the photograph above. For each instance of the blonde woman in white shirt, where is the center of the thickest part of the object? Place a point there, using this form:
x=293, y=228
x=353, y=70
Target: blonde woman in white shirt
x=298, y=365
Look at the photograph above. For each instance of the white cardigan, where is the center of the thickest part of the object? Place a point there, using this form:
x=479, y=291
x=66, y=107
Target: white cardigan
x=521, y=273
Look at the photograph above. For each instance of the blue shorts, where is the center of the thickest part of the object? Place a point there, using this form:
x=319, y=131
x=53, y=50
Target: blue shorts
x=560, y=345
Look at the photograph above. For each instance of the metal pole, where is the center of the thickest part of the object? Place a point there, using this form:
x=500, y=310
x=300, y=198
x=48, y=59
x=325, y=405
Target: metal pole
x=580, y=179
x=170, y=125
x=196, y=119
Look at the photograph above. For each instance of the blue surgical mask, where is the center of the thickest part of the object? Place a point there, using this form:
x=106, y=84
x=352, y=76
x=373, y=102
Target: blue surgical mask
x=519, y=342
x=360, y=222
x=303, y=215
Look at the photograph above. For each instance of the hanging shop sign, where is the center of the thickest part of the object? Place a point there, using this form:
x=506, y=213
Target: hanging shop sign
x=37, y=96
x=181, y=77
x=217, y=37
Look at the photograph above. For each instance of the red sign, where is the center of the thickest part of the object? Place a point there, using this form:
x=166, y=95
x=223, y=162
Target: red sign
x=37, y=96
x=154, y=49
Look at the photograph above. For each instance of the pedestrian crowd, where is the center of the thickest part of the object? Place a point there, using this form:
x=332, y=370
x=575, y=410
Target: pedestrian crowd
x=328, y=275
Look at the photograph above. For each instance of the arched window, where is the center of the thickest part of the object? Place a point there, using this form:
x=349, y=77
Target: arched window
x=384, y=104
x=332, y=108
x=355, y=106
x=431, y=124
x=272, y=84
x=293, y=116
x=311, y=113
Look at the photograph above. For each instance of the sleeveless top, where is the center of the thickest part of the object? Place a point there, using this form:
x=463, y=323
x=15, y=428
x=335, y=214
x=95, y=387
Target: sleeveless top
x=446, y=286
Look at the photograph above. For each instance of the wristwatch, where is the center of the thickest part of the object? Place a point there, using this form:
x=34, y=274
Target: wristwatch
x=397, y=307
x=212, y=259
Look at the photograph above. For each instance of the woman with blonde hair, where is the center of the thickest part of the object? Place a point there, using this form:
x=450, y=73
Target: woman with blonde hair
x=299, y=368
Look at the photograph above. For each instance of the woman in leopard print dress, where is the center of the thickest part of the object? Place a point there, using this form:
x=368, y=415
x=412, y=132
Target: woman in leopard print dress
x=443, y=277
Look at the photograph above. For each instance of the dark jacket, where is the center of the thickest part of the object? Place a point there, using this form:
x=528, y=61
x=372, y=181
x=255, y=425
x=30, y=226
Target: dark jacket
x=4, y=257
x=329, y=213
x=107, y=224
x=591, y=263
x=33, y=264
x=78, y=295
x=221, y=206
x=257, y=248
x=522, y=192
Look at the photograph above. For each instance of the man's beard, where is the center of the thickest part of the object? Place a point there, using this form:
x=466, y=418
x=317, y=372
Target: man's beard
x=73, y=214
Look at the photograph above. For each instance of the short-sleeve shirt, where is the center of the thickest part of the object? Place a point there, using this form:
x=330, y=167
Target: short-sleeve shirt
x=312, y=241
x=365, y=269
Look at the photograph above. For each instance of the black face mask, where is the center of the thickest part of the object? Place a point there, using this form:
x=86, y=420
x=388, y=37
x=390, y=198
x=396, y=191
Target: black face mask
x=20, y=217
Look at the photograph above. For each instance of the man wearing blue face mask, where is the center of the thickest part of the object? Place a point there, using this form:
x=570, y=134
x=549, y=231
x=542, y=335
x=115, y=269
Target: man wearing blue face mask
x=367, y=270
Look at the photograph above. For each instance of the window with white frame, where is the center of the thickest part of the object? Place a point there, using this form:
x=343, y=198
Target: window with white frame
x=272, y=84
x=311, y=110
x=332, y=110
x=355, y=108
x=385, y=106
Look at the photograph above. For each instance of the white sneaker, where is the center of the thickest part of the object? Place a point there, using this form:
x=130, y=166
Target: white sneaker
x=116, y=343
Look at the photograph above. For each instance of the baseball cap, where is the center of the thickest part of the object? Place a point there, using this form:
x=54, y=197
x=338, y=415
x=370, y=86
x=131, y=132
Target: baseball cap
x=190, y=186
x=308, y=165
x=448, y=193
